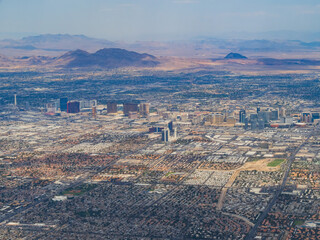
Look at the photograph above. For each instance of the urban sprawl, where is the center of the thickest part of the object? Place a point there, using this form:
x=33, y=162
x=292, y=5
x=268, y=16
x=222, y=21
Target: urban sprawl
x=159, y=156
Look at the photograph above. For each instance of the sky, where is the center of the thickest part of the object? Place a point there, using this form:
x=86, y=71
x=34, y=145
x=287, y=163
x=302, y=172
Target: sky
x=132, y=20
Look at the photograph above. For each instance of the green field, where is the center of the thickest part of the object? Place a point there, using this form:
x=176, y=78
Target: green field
x=275, y=162
x=298, y=222
x=79, y=190
x=169, y=173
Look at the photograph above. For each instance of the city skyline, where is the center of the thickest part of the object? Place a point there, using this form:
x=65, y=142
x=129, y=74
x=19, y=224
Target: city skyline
x=159, y=119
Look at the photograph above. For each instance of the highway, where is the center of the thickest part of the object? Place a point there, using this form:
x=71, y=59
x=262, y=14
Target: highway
x=251, y=235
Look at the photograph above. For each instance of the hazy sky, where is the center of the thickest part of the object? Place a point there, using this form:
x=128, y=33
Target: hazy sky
x=157, y=19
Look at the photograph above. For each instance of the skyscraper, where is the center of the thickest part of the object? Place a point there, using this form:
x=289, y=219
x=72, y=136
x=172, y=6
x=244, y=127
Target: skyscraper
x=246, y=123
x=129, y=107
x=88, y=104
x=112, y=107
x=165, y=135
x=15, y=100
x=283, y=112
x=51, y=107
x=261, y=124
x=242, y=115
x=254, y=121
x=264, y=115
x=306, y=117
x=175, y=133
x=73, y=107
x=144, y=109
x=258, y=109
x=63, y=104
x=315, y=116
x=254, y=124
x=274, y=115
x=94, y=112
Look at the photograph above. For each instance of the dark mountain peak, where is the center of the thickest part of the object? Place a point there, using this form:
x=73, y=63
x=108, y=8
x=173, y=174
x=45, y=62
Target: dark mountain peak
x=107, y=58
x=75, y=54
x=113, y=51
x=235, y=56
x=121, y=53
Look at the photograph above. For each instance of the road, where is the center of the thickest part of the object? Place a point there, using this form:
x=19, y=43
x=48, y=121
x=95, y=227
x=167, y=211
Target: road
x=251, y=235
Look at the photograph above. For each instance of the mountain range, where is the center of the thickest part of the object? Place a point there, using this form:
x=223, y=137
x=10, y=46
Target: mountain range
x=79, y=51
x=106, y=58
x=205, y=47
x=51, y=45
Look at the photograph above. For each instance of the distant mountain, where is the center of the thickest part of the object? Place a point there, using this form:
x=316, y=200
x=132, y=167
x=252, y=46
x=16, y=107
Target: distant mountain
x=235, y=56
x=22, y=47
x=106, y=58
x=260, y=45
x=288, y=62
x=52, y=38
x=52, y=44
x=65, y=41
x=205, y=47
x=271, y=35
x=46, y=51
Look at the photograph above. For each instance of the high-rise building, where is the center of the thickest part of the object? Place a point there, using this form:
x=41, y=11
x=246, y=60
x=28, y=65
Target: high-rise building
x=261, y=124
x=129, y=107
x=246, y=123
x=170, y=126
x=112, y=107
x=175, y=133
x=242, y=115
x=168, y=135
x=94, y=112
x=218, y=118
x=287, y=120
x=165, y=135
x=73, y=107
x=315, y=116
x=254, y=124
x=274, y=115
x=282, y=112
x=254, y=121
x=144, y=109
x=57, y=105
x=258, y=109
x=306, y=117
x=265, y=116
x=63, y=104
x=51, y=107
x=88, y=104
x=253, y=117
